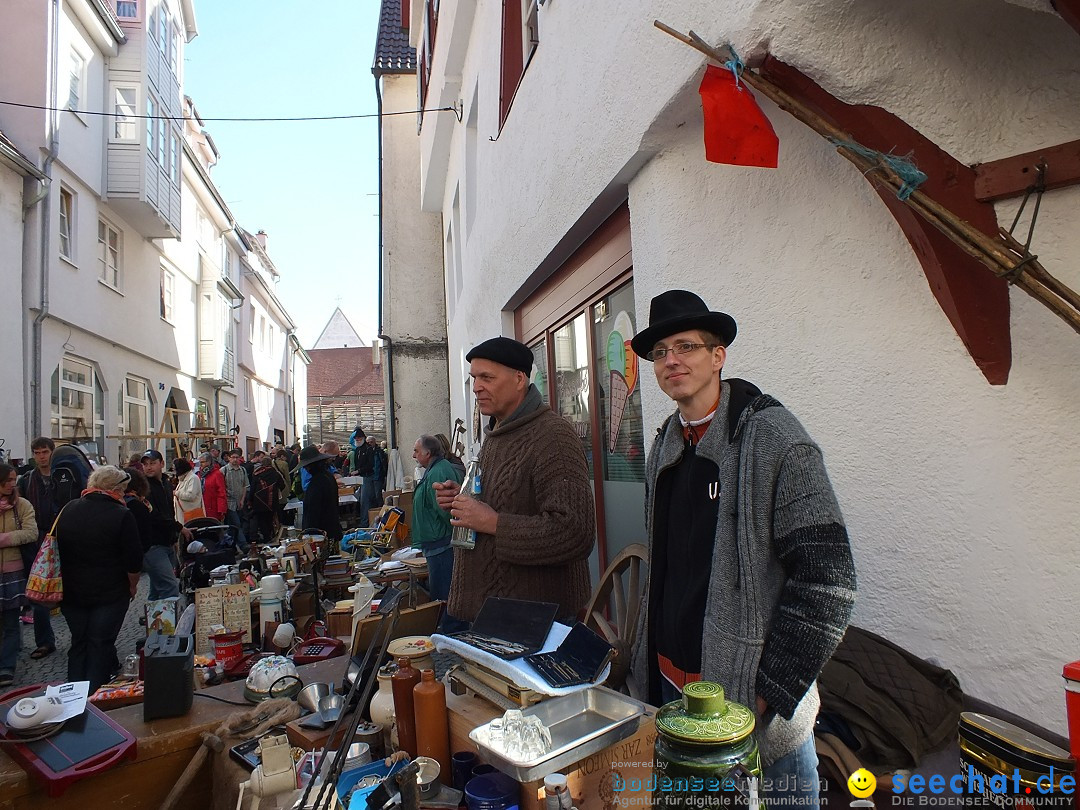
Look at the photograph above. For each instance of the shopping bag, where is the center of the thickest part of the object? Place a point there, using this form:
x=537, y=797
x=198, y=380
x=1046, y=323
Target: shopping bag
x=44, y=585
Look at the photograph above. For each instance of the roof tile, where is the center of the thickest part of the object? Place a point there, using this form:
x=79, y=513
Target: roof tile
x=344, y=372
x=392, y=51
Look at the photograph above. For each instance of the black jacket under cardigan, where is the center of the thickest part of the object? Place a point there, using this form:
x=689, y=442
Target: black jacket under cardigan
x=99, y=546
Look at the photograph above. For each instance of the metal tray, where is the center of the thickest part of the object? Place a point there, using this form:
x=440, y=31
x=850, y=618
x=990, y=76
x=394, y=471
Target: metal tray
x=581, y=724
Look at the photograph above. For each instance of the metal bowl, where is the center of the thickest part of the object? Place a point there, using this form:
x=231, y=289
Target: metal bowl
x=310, y=695
x=427, y=777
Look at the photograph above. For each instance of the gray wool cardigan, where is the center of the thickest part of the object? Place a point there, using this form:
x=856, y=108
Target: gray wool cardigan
x=780, y=596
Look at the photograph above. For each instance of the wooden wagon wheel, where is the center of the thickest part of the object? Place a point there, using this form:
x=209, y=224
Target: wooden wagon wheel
x=620, y=588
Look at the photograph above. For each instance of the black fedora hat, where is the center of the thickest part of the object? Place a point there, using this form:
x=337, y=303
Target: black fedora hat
x=309, y=455
x=679, y=311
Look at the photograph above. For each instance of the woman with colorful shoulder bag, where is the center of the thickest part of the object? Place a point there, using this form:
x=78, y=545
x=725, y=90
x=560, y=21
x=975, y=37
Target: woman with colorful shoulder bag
x=17, y=527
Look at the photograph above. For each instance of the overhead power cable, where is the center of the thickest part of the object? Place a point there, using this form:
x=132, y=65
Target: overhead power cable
x=137, y=116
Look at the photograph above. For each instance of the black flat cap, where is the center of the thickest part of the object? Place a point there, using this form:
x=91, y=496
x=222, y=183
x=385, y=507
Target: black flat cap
x=505, y=351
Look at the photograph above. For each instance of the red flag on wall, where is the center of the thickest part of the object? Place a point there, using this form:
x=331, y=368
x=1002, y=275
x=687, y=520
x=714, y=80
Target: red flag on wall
x=737, y=132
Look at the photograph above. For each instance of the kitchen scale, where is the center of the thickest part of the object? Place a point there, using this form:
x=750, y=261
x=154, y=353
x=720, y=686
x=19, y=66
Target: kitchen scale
x=84, y=746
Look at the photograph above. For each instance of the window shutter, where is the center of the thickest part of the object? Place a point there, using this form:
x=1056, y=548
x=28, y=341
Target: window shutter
x=512, y=59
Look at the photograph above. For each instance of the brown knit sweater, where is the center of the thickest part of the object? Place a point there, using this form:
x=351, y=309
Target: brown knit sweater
x=535, y=476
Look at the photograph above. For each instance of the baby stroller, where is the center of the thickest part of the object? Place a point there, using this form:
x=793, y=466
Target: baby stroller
x=218, y=548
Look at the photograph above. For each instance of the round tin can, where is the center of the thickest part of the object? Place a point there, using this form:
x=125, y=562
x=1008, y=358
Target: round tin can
x=1027, y=767
x=705, y=749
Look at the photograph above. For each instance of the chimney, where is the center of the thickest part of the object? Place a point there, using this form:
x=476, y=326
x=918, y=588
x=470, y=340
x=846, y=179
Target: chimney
x=261, y=236
x=376, y=352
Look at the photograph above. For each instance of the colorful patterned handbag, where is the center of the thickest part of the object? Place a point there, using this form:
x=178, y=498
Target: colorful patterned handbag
x=44, y=586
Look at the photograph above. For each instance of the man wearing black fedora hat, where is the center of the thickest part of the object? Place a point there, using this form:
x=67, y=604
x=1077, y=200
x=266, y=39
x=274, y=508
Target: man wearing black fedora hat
x=751, y=578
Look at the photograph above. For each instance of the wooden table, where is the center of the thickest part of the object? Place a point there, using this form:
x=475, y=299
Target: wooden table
x=164, y=749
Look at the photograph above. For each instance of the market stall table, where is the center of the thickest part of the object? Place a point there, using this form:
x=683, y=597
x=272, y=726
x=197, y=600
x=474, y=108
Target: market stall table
x=166, y=746
x=164, y=749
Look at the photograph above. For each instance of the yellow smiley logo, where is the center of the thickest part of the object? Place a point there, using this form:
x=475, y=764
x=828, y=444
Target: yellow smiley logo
x=861, y=783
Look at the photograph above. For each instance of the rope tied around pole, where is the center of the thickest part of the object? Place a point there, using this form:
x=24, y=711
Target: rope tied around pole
x=735, y=64
x=903, y=167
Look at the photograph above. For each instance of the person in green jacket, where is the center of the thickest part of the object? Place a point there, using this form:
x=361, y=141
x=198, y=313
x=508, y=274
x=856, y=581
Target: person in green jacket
x=431, y=528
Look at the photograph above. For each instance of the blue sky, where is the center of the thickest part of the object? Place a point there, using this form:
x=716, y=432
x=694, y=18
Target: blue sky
x=312, y=186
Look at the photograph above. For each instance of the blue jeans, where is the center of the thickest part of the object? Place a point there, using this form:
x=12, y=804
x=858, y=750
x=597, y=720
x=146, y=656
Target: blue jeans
x=369, y=498
x=159, y=563
x=232, y=518
x=440, y=566
x=94, y=629
x=792, y=781
x=12, y=643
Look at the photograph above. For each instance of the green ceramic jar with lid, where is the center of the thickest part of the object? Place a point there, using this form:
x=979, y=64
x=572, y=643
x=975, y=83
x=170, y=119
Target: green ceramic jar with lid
x=699, y=741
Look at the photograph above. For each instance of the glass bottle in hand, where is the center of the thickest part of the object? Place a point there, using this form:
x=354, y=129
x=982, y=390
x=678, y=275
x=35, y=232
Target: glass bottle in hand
x=462, y=537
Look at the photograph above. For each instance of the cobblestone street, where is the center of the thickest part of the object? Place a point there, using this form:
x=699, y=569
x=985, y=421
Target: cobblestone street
x=53, y=667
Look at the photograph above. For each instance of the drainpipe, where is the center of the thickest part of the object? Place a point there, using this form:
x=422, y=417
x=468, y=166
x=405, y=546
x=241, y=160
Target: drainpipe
x=391, y=420
x=289, y=420
x=46, y=217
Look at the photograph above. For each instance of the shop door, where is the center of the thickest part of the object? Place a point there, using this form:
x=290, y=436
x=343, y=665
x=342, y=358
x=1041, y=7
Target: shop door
x=594, y=387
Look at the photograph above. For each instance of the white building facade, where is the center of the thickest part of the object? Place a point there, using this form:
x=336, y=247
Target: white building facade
x=412, y=297
x=574, y=189
x=128, y=311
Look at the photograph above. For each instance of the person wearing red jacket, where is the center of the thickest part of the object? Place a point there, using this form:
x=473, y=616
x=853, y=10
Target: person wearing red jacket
x=214, y=500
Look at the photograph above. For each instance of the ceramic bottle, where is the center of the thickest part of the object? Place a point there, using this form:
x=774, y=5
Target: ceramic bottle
x=402, y=683
x=432, y=725
x=381, y=709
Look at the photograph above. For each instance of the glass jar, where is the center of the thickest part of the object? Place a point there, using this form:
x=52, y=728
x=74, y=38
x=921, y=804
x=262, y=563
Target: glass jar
x=700, y=741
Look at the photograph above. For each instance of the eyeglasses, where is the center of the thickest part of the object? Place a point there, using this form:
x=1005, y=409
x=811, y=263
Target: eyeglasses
x=678, y=348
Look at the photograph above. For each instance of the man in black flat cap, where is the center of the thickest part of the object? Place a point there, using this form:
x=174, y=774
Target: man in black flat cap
x=751, y=581
x=534, y=517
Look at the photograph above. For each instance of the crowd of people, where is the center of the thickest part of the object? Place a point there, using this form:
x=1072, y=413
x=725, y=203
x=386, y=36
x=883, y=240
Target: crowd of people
x=117, y=523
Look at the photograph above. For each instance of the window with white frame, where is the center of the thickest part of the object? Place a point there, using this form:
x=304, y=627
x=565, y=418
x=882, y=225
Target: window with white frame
x=137, y=415
x=110, y=248
x=262, y=333
x=202, y=413
x=67, y=224
x=76, y=79
x=168, y=293
x=247, y=393
x=251, y=325
x=151, y=126
x=174, y=51
x=125, y=103
x=127, y=9
x=77, y=403
x=163, y=142
x=174, y=158
x=164, y=30
x=222, y=419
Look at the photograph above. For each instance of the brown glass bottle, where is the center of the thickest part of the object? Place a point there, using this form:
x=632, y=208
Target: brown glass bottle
x=432, y=725
x=402, y=684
